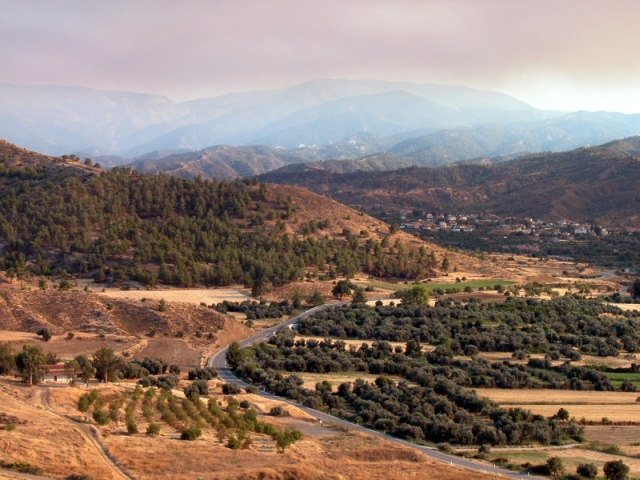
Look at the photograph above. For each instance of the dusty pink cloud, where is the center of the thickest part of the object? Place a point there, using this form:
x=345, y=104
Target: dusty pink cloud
x=188, y=49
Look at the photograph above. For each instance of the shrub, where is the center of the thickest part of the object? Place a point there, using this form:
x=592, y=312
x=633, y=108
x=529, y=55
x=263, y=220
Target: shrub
x=197, y=388
x=276, y=411
x=153, y=429
x=70, y=335
x=206, y=373
x=45, y=333
x=175, y=369
x=79, y=476
x=100, y=416
x=555, y=466
x=191, y=433
x=627, y=386
x=231, y=389
x=253, y=389
x=163, y=305
x=9, y=427
x=587, y=470
x=615, y=470
x=131, y=426
x=233, y=443
x=445, y=447
x=245, y=404
x=22, y=468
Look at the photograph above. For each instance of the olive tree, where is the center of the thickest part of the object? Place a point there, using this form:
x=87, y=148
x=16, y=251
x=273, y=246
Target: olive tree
x=31, y=362
x=107, y=364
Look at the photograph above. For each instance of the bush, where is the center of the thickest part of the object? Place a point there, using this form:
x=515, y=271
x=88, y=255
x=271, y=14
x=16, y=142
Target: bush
x=191, y=433
x=253, y=389
x=445, y=447
x=587, y=470
x=245, y=404
x=153, y=429
x=79, y=476
x=22, y=468
x=197, y=388
x=131, y=426
x=45, y=333
x=207, y=373
x=627, y=386
x=175, y=369
x=276, y=411
x=100, y=416
x=9, y=427
x=555, y=466
x=615, y=470
x=231, y=389
x=233, y=443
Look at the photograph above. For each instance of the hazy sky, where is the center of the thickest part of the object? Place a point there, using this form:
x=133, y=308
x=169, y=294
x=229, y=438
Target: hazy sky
x=556, y=54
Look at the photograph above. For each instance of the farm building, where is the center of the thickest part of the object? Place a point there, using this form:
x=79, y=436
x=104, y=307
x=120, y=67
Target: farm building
x=56, y=374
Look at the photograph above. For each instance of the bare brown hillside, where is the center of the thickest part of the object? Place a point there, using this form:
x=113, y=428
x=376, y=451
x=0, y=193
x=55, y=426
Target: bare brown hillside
x=31, y=309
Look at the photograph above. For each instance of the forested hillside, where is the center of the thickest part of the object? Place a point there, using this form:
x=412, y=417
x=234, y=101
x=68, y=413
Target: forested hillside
x=123, y=225
x=588, y=183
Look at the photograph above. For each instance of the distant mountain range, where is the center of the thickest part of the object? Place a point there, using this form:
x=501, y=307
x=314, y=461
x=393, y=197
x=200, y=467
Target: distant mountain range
x=350, y=123
x=597, y=183
x=57, y=120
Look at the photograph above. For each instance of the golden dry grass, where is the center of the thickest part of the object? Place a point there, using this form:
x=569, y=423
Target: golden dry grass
x=571, y=458
x=623, y=435
x=330, y=455
x=183, y=295
x=557, y=397
x=44, y=439
x=592, y=413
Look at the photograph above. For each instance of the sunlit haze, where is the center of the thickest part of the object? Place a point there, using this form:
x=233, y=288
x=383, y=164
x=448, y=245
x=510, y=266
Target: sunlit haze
x=564, y=55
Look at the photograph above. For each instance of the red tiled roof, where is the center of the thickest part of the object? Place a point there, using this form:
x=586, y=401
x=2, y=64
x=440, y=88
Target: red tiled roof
x=57, y=369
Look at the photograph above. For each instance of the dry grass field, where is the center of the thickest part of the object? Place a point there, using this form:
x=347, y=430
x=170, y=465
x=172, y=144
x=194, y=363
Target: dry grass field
x=588, y=405
x=194, y=296
x=591, y=413
x=623, y=435
x=44, y=437
x=558, y=397
x=571, y=458
x=310, y=379
x=172, y=350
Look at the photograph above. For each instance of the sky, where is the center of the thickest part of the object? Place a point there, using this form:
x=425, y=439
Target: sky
x=553, y=54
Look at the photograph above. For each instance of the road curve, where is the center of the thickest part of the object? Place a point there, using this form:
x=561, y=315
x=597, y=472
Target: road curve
x=219, y=361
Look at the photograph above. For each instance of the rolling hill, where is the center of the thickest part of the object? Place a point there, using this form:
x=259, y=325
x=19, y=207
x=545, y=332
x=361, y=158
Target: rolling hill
x=596, y=183
x=60, y=217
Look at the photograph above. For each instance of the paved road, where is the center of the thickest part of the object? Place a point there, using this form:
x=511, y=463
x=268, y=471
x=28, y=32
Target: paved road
x=219, y=361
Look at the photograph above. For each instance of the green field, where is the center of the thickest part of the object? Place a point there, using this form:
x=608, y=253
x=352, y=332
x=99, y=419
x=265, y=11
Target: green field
x=475, y=284
x=617, y=378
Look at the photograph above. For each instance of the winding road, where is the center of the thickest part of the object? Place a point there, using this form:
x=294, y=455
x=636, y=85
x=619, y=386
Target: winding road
x=219, y=361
